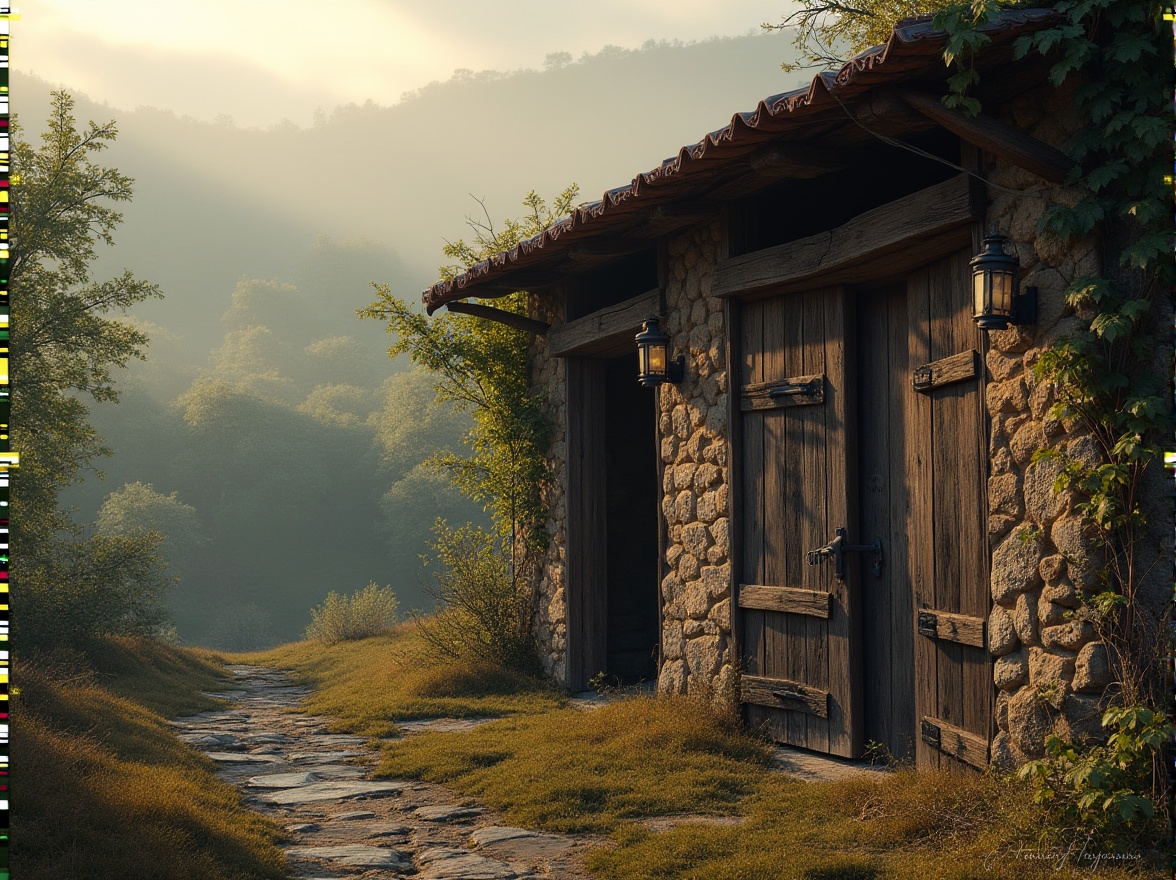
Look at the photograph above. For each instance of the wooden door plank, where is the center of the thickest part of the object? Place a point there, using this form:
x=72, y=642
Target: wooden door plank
x=844, y=649
x=948, y=627
x=811, y=504
x=903, y=712
x=920, y=524
x=793, y=696
x=788, y=600
x=792, y=391
x=781, y=334
x=946, y=371
x=955, y=742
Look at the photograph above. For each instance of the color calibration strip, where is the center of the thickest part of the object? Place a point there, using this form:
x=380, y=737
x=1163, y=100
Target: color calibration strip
x=8, y=458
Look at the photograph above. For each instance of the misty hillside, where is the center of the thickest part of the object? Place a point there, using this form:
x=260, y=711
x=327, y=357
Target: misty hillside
x=214, y=202
x=291, y=442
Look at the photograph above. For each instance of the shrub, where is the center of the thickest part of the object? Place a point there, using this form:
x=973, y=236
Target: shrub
x=367, y=612
x=485, y=604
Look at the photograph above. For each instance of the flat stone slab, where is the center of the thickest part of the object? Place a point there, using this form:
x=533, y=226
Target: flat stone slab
x=260, y=739
x=445, y=812
x=387, y=829
x=498, y=833
x=356, y=855
x=240, y=758
x=303, y=828
x=353, y=816
x=338, y=790
x=283, y=780
x=224, y=740
x=444, y=863
x=819, y=768
x=337, y=739
x=441, y=725
x=301, y=757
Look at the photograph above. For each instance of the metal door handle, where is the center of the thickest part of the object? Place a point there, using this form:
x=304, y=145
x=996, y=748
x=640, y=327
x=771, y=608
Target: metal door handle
x=837, y=548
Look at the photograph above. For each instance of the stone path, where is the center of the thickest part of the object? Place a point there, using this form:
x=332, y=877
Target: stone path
x=340, y=823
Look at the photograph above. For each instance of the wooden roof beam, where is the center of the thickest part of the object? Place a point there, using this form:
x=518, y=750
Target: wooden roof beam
x=1004, y=141
x=796, y=162
x=489, y=313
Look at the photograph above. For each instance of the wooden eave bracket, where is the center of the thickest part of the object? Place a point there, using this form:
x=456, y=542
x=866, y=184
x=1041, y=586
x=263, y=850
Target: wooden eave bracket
x=489, y=313
x=1004, y=141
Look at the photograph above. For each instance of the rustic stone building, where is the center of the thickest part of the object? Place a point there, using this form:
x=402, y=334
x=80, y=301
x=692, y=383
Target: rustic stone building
x=811, y=261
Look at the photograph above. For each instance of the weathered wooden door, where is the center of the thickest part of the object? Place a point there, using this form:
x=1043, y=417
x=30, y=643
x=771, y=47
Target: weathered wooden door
x=947, y=555
x=800, y=640
x=863, y=410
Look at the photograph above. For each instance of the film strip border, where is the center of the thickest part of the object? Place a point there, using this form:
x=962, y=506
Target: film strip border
x=8, y=457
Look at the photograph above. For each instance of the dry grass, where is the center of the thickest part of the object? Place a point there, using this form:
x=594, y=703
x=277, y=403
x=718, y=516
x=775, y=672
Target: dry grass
x=551, y=767
x=370, y=684
x=571, y=770
x=104, y=788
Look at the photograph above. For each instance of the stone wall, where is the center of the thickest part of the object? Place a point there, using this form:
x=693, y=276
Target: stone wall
x=696, y=599
x=549, y=376
x=1050, y=672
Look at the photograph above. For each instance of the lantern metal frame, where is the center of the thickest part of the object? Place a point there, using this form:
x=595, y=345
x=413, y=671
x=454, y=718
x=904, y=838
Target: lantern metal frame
x=996, y=275
x=652, y=369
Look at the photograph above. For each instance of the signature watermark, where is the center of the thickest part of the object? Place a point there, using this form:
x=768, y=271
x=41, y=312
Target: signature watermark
x=1078, y=854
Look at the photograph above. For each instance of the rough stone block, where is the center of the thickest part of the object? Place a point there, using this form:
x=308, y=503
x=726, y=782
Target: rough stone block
x=685, y=507
x=1068, y=636
x=1002, y=636
x=702, y=657
x=717, y=579
x=696, y=538
x=1014, y=565
x=1027, y=440
x=672, y=679
x=1050, y=614
x=687, y=567
x=696, y=600
x=697, y=445
x=1005, y=755
x=669, y=448
x=1044, y=505
x=1062, y=593
x=684, y=475
x=1092, y=669
x=1011, y=671
x=721, y=615
x=1001, y=366
x=1082, y=719
x=705, y=476
x=1003, y=495
x=673, y=640
x=1047, y=668
x=1025, y=619
x=681, y=421
x=1030, y=722
x=706, y=507
x=1052, y=568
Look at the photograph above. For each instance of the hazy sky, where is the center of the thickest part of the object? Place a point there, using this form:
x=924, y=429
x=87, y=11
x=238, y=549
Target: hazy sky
x=260, y=61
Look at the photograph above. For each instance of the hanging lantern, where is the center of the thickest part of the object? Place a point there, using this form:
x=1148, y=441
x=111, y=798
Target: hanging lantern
x=996, y=299
x=654, y=366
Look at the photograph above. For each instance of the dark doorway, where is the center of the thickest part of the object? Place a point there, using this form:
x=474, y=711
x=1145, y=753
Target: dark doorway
x=631, y=507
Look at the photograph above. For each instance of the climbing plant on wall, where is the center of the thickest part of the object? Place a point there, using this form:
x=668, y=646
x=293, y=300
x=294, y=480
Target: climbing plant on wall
x=1112, y=372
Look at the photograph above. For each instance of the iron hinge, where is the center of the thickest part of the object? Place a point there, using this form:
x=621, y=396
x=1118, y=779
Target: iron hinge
x=928, y=624
x=930, y=734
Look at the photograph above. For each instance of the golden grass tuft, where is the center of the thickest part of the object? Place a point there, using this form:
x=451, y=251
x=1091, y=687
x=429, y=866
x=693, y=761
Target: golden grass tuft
x=104, y=788
x=370, y=684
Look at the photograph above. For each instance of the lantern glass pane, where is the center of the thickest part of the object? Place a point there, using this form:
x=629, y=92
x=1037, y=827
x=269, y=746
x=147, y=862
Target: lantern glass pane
x=980, y=300
x=642, y=360
x=657, y=359
x=1002, y=292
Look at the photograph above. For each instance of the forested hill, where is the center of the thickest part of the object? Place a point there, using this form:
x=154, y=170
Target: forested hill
x=214, y=202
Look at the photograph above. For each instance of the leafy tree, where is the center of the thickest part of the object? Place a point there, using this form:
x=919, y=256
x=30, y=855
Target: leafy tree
x=63, y=347
x=828, y=31
x=137, y=507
